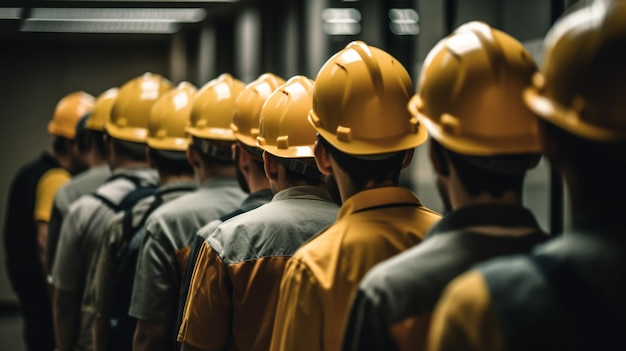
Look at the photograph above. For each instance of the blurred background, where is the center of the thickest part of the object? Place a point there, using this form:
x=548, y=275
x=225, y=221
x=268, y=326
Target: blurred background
x=50, y=48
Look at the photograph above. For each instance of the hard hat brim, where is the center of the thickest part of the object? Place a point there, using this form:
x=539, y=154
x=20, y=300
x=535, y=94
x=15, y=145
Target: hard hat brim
x=567, y=119
x=467, y=146
x=135, y=135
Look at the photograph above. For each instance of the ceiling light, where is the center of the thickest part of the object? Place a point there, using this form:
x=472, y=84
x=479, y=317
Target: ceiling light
x=10, y=13
x=183, y=15
x=133, y=27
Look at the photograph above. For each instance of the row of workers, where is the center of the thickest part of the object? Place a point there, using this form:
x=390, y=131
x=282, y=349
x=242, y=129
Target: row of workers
x=269, y=216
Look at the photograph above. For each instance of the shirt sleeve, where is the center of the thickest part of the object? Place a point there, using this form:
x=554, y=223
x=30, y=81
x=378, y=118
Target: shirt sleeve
x=208, y=312
x=68, y=270
x=299, y=315
x=106, y=268
x=156, y=287
x=47, y=186
x=464, y=318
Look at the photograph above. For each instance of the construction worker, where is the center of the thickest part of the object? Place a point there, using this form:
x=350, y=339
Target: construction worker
x=90, y=145
x=125, y=137
x=365, y=137
x=250, y=171
x=483, y=141
x=114, y=269
x=235, y=284
x=171, y=227
x=28, y=212
x=568, y=294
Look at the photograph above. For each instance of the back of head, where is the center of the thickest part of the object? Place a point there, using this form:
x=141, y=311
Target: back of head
x=68, y=112
x=284, y=129
x=102, y=110
x=167, y=138
x=212, y=109
x=127, y=125
x=470, y=100
x=359, y=103
x=210, y=118
x=248, y=107
x=582, y=83
x=131, y=108
x=470, y=93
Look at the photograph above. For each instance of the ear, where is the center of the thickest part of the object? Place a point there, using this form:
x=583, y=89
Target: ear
x=271, y=166
x=243, y=158
x=440, y=169
x=149, y=158
x=322, y=159
x=193, y=157
x=408, y=157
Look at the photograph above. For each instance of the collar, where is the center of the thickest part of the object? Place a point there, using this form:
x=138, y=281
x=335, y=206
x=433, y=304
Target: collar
x=303, y=191
x=216, y=182
x=371, y=199
x=485, y=215
x=256, y=199
x=188, y=185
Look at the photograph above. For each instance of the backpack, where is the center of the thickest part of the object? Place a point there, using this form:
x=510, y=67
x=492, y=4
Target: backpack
x=122, y=325
x=141, y=191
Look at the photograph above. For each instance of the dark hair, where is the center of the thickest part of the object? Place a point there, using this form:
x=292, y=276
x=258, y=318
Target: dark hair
x=362, y=171
x=257, y=155
x=213, y=152
x=492, y=174
x=61, y=146
x=597, y=163
x=300, y=170
x=91, y=139
x=171, y=162
x=133, y=151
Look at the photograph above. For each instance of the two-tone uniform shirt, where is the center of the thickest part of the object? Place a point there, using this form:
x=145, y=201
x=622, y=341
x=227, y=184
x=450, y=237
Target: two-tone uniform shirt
x=395, y=300
x=81, y=184
x=235, y=286
x=163, y=253
x=322, y=277
x=81, y=232
x=568, y=294
x=252, y=201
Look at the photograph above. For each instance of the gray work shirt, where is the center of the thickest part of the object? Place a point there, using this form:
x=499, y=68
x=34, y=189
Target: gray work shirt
x=162, y=256
x=80, y=234
x=81, y=184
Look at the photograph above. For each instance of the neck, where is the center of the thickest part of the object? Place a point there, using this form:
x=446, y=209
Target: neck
x=258, y=182
x=460, y=198
x=172, y=178
x=94, y=159
x=205, y=173
x=126, y=163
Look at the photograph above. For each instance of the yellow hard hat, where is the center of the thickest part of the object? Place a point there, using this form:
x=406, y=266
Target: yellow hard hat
x=101, y=110
x=213, y=108
x=68, y=112
x=169, y=118
x=582, y=84
x=131, y=109
x=248, y=107
x=284, y=129
x=470, y=93
x=359, y=102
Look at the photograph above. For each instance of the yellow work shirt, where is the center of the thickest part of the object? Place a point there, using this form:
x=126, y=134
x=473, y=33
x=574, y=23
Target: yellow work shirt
x=464, y=318
x=322, y=276
x=47, y=187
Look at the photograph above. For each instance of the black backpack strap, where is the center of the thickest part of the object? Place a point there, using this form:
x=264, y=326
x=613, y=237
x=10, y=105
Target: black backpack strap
x=107, y=202
x=129, y=199
x=129, y=229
